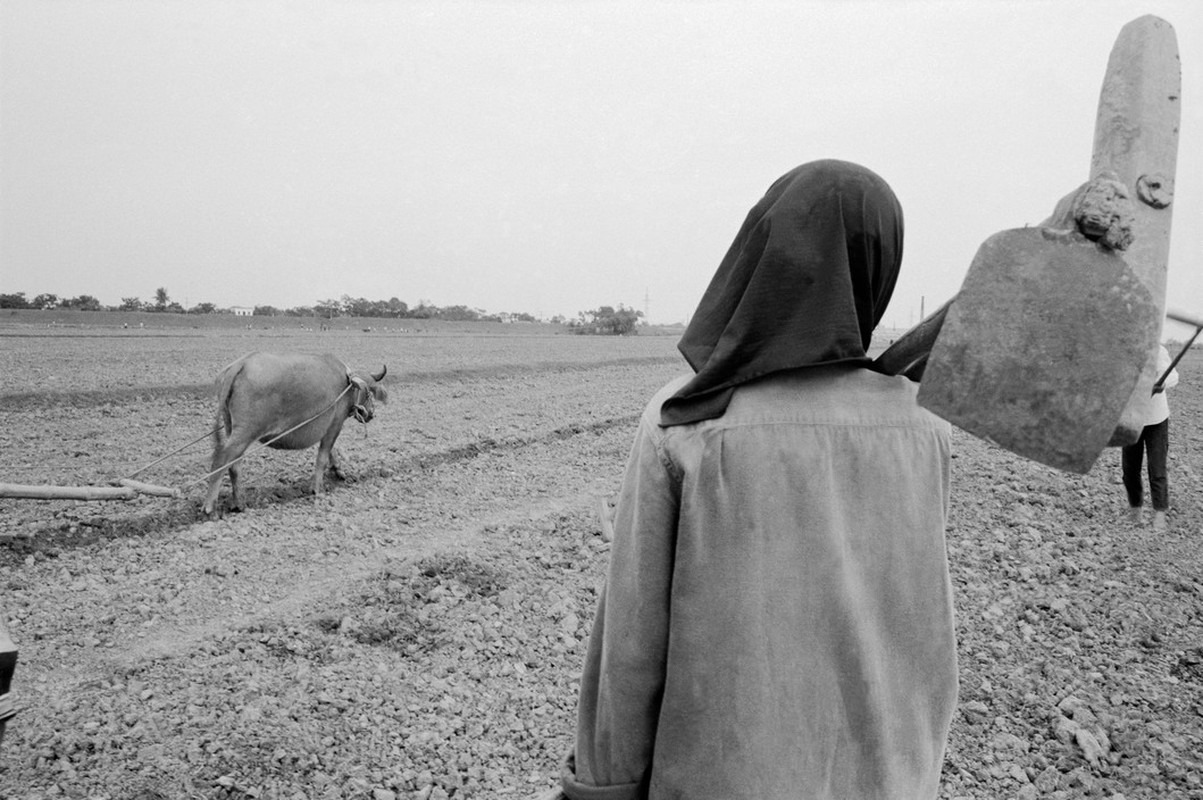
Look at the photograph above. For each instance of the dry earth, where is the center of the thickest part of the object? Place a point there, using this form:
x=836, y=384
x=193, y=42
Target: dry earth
x=417, y=631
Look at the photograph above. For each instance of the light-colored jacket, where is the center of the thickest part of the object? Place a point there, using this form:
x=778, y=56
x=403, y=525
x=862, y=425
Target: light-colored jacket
x=777, y=620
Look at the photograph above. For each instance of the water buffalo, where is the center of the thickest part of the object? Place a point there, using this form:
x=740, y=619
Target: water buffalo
x=262, y=395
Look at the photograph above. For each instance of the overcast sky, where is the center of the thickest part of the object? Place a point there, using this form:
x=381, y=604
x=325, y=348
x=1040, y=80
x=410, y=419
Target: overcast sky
x=547, y=157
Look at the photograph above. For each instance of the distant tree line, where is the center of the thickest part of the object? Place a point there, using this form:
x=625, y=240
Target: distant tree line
x=327, y=309
x=392, y=308
x=86, y=302
x=605, y=320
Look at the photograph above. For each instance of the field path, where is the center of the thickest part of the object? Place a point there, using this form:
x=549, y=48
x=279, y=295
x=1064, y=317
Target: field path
x=294, y=589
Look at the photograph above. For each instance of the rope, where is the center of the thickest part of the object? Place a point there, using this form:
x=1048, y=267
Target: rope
x=169, y=455
x=269, y=442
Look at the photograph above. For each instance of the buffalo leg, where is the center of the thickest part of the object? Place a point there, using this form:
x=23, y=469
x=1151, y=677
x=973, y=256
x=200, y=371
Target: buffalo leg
x=325, y=458
x=319, y=469
x=335, y=469
x=211, y=495
x=235, y=488
x=223, y=454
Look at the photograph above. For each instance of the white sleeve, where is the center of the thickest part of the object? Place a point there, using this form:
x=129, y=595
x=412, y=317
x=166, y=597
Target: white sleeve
x=1163, y=363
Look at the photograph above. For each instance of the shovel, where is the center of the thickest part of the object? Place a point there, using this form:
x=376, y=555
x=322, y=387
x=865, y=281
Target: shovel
x=1178, y=316
x=1048, y=349
x=1136, y=138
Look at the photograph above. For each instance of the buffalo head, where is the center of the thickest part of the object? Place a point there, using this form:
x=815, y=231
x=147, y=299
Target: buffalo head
x=365, y=394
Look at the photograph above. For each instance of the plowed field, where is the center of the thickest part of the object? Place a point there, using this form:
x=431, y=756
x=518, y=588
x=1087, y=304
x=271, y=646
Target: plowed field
x=417, y=631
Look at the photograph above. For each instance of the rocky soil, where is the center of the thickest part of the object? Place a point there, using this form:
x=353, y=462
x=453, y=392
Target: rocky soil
x=417, y=631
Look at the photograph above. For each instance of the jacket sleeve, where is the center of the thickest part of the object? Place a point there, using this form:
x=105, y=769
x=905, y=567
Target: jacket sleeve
x=1171, y=380
x=623, y=677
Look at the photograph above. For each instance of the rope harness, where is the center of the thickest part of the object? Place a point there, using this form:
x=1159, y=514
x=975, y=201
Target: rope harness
x=359, y=410
x=178, y=450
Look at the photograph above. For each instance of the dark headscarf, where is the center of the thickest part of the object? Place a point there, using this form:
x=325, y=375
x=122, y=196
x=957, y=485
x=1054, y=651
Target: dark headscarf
x=805, y=282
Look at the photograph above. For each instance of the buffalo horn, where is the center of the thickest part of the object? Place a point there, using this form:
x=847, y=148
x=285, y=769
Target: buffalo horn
x=383, y=372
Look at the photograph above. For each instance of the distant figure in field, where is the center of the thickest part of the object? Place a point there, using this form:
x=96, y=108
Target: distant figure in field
x=1155, y=440
x=777, y=616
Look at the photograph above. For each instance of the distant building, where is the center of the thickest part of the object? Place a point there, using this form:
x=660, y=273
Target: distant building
x=241, y=311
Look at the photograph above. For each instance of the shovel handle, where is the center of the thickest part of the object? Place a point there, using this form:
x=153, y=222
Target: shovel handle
x=1179, y=317
x=908, y=355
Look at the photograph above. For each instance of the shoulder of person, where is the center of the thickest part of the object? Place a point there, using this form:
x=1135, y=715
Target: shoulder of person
x=651, y=412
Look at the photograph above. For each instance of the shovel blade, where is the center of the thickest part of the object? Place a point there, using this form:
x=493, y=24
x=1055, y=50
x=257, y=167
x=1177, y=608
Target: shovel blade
x=1042, y=348
x=1136, y=140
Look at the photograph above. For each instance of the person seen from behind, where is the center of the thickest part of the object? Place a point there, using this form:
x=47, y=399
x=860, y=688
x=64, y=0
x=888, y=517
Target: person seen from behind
x=777, y=617
x=1155, y=441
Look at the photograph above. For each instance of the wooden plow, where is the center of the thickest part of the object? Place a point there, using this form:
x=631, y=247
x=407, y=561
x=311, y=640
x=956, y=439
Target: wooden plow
x=120, y=489
x=125, y=489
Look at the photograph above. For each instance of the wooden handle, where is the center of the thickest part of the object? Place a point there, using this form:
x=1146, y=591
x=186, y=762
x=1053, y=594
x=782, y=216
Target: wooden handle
x=1160, y=383
x=908, y=355
x=1178, y=316
x=149, y=488
x=19, y=490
